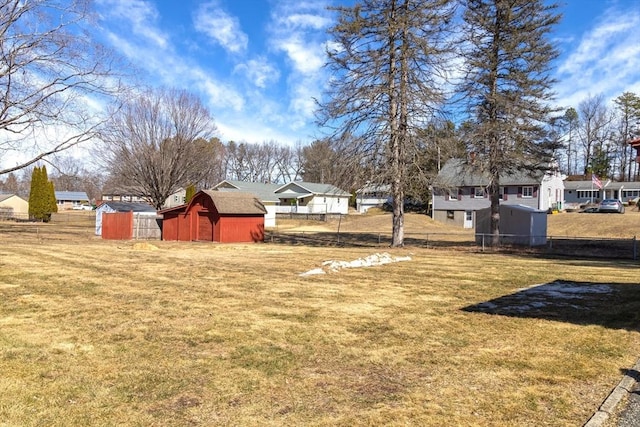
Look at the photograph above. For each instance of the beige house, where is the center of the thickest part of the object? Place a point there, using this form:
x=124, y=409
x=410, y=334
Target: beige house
x=14, y=207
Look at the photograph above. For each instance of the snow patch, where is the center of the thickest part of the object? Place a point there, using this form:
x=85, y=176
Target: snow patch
x=333, y=266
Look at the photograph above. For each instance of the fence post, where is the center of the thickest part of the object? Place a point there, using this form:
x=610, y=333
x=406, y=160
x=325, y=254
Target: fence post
x=635, y=248
x=482, y=242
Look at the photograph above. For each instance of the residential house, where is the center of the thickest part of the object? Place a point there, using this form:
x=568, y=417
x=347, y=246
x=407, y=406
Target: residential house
x=296, y=197
x=460, y=190
x=265, y=192
x=13, y=207
x=312, y=198
x=70, y=199
x=116, y=195
x=577, y=193
x=372, y=196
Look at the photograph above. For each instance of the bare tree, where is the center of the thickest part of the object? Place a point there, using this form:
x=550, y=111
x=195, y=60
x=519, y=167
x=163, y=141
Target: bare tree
x=154, y=144
x=594, y=129
x=388, y=64
x=507, y=56
x=214, y=152
x=319, y=164
x=49, y=69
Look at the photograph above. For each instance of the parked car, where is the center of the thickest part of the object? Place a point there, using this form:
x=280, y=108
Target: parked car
x=611, y=206
x=82, y=208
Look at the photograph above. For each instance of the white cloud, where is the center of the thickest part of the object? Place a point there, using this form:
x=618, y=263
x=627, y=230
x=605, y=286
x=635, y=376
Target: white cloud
x=223, y=28
x=306, y=20
x=298, y=31
x=259, y=71
x=142, y=15
x=606, y=60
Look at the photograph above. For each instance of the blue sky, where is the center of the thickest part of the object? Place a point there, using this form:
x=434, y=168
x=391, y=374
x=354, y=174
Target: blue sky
x=258, y=64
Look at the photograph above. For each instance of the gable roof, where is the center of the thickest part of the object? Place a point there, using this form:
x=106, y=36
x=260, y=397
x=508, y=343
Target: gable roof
x=374, y=188
x=128, y=207
x=460, y=173
x=606, y=185
x=5, y=196
x=233, y=202
x=74, y=196
x=308, y=188
x=263, y=191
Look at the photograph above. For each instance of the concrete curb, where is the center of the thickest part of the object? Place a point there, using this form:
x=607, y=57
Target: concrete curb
x=611, y=402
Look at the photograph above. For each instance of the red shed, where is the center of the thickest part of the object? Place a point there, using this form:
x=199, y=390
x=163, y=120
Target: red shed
x=218, y=216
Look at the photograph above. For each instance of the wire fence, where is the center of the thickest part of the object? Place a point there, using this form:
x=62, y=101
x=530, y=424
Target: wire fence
x=82, y=224
x=583, y=247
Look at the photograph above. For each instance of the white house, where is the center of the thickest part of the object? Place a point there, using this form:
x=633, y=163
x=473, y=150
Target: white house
x=296, y=197
x=372, y=196
x=263, y=192
x=312, y=198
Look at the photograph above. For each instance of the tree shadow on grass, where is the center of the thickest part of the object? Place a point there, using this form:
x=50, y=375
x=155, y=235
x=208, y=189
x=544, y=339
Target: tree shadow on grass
x=612, y=305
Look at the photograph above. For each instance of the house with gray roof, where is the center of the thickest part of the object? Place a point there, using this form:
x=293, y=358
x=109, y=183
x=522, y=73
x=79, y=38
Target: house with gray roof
x=460, y=190
x=265, y=192
x=372, y=195
x=69, y=199
x=296, y=197
x=577, y=193
x=312, y=198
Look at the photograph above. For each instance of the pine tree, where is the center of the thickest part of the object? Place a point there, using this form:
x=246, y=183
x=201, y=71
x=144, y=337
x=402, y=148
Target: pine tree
x=35, y=196
x=42, y=199
x=507, y=84
x=388, y=64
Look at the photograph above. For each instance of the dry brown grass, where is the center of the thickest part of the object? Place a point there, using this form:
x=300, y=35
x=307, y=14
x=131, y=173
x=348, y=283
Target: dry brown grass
x=99, y=332
x=571, y=224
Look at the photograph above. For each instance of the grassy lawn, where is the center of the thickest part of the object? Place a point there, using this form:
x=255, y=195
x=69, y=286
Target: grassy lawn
x=98, y=333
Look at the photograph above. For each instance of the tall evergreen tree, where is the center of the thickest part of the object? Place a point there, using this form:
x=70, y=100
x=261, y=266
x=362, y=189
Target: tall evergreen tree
x=507, y=56
x=42, y=199
x=48, y=195
x=34, y=197
x=388, y=61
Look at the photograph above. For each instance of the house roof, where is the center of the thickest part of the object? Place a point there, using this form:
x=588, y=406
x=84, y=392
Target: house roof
x=374, y=188
x=263, y=191
x=128, y=207
x=273, y=192
x=74, y=196
x=460, y=173
x=234, y=202
x=606, y=184
x=309, y=188
x=5, y=196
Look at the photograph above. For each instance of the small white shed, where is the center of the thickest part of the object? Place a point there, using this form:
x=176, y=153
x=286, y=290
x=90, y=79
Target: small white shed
x=519, y=225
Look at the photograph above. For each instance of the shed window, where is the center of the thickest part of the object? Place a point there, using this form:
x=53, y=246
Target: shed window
x=450, y=214
x=478, y=192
